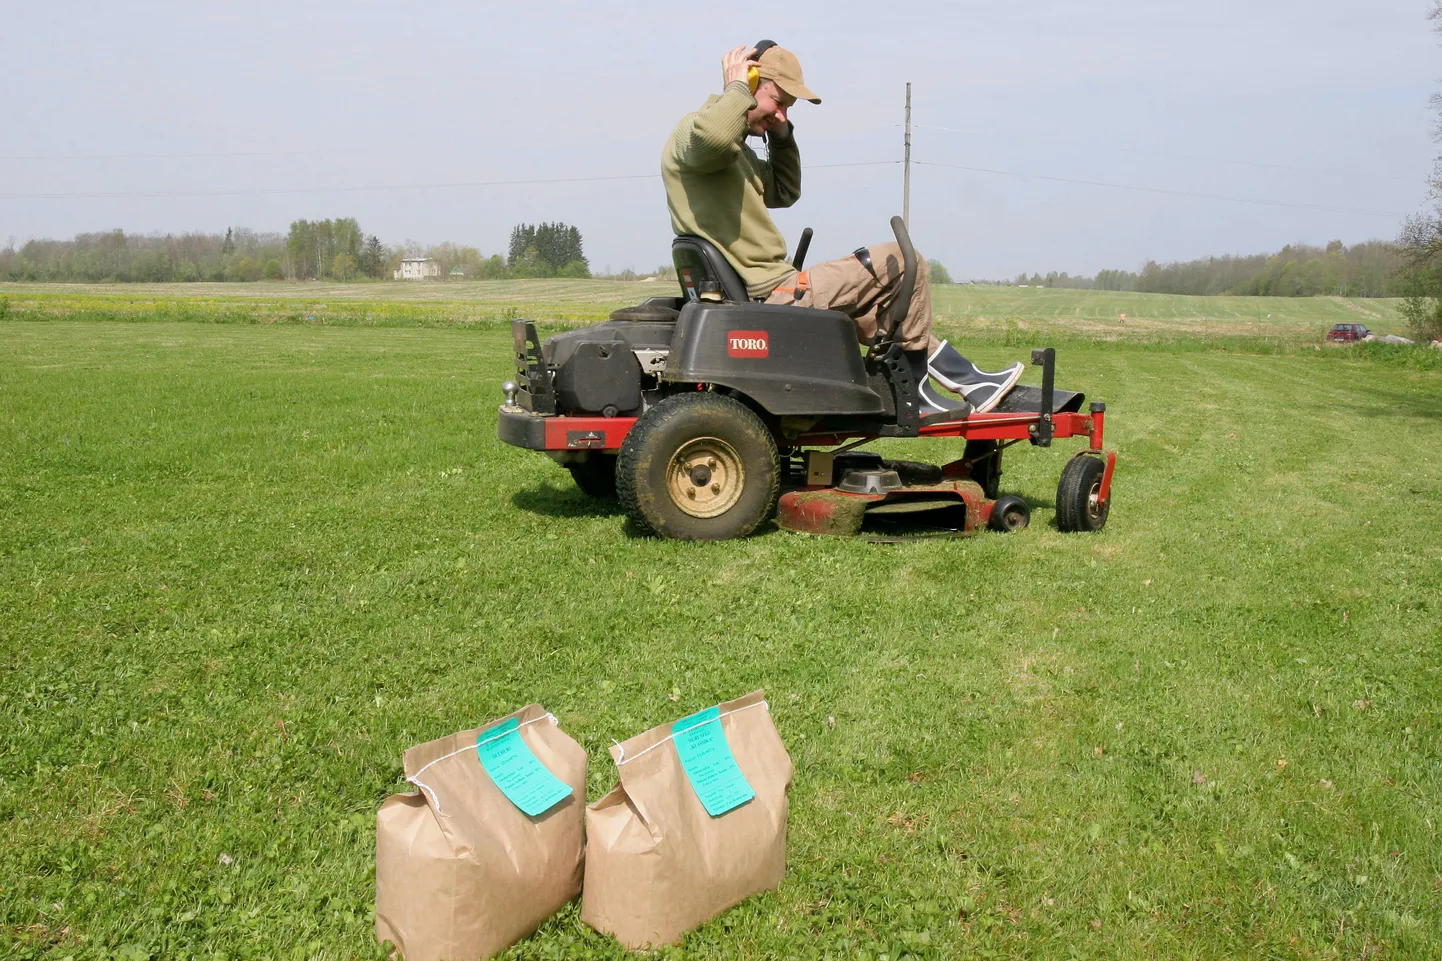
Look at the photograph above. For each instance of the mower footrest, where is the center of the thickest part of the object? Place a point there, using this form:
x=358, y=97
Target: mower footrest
x=1025, y=399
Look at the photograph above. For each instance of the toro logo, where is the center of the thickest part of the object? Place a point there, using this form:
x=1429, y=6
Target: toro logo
x=747, y=343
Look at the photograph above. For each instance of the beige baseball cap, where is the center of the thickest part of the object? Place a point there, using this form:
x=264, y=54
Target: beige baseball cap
x=780, y=66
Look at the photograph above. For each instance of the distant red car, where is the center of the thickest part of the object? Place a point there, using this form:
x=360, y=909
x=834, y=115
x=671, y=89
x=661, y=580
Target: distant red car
x=1344, y=333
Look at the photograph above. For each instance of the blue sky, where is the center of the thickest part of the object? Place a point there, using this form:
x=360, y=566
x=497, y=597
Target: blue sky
x=197, y=117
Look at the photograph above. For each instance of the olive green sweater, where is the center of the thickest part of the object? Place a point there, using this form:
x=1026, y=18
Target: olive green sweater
x=717, y=188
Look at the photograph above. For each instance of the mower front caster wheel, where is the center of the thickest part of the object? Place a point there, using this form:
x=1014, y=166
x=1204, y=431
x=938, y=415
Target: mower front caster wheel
x=1009, y=513
x=1079, y=505
x=698, y=467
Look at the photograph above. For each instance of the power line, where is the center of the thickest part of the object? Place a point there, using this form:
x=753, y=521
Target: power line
x=244, y=191
x=209, y=155
x=1163, y=190
x=860, y=163
x=1216, y=160
x=220, y=154
x=360, y=188
x=1270, y=166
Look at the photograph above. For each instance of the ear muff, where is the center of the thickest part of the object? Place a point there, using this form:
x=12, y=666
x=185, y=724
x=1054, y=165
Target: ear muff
x=753, y=76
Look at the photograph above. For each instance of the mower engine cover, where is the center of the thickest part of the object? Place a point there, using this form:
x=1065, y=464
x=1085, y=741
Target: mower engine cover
x=596, y=367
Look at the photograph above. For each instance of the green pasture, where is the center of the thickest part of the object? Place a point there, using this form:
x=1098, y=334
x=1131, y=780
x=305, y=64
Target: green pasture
x=243, y=566
x=1132, y=316
x=1017, y=313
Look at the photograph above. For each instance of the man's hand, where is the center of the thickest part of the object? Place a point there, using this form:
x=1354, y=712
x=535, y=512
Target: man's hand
x=735, y=64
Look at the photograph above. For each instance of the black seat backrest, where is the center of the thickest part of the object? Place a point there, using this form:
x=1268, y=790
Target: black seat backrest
x=702, y=268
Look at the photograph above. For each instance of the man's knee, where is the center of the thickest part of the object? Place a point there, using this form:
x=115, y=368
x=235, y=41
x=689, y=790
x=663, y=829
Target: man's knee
x=889, y=253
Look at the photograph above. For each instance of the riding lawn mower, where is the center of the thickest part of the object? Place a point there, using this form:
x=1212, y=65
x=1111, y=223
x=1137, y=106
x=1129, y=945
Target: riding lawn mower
x=707, y=413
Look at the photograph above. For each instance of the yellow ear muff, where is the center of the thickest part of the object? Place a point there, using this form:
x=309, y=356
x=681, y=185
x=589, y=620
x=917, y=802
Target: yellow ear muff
x=753, y=74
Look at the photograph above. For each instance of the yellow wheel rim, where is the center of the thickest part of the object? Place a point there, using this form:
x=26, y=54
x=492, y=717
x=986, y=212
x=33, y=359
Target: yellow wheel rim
x=705, y=477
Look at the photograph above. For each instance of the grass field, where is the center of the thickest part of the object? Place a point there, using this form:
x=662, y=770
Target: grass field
x=244, y=566
x=1018, y=313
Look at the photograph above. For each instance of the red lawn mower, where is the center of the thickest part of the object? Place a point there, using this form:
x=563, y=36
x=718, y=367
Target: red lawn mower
x=707, y=413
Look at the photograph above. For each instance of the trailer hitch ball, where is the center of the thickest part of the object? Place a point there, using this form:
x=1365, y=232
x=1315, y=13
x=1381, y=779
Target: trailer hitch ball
x=509, y=388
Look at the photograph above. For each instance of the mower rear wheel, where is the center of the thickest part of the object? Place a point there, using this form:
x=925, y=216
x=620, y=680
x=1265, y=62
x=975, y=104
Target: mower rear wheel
x=1009, y=513
x=698, y=466
x=1078, y=496
x=596, y=475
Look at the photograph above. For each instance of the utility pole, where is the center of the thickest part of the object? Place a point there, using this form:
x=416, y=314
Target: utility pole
x=906, y=167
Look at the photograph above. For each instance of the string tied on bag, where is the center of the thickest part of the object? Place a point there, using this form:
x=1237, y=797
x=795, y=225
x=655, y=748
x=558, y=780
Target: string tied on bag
x=715, y=720
x=430, y=793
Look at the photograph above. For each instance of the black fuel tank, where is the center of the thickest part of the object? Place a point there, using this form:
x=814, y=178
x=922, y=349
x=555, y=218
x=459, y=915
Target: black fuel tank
x=595, y=367
x=648, y=335
x=790, y=360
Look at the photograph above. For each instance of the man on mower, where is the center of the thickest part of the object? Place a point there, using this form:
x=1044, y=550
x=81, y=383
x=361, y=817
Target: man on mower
x=719, y=189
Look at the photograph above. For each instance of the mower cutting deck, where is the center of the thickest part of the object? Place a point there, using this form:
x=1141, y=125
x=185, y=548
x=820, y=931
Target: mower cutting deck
x=702, y=412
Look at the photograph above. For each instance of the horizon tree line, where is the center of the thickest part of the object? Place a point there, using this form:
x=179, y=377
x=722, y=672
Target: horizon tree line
x=1421, y=240
x=338, y=249
x=330, y=249
x=1370, y=269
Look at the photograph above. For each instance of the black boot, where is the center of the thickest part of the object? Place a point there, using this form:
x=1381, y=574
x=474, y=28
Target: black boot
x=931, y=400
x=916, y=360
x=983, y=389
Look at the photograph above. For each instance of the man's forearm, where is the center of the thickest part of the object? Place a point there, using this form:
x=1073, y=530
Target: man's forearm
x=785, y=161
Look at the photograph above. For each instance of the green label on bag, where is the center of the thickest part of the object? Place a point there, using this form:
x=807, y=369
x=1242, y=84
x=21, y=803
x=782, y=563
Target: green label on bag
x=709, y=764
x=517, y=771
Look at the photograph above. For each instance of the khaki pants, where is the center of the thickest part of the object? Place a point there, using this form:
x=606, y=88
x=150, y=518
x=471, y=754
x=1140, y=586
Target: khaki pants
x=846, y=285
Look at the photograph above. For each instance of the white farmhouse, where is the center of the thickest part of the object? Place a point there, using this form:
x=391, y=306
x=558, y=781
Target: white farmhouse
x=417, y=268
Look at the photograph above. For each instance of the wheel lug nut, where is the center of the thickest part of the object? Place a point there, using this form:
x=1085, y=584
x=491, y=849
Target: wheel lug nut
x=715, y=488
x=711, y=462
x=691, y=492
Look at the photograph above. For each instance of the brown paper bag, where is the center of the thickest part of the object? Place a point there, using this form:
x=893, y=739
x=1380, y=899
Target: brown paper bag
x=657, y=864
x=461, y=872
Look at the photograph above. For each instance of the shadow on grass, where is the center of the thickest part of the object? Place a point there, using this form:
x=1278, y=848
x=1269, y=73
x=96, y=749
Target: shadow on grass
x=547, y=500
x=1392, y=404
x=550, y=501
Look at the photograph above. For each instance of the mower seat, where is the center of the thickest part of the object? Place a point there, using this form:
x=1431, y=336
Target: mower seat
x=703, y=269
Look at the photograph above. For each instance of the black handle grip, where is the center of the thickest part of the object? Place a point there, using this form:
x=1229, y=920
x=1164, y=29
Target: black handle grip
x=902, y=302
x=1045, y=429
x=801, y=249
